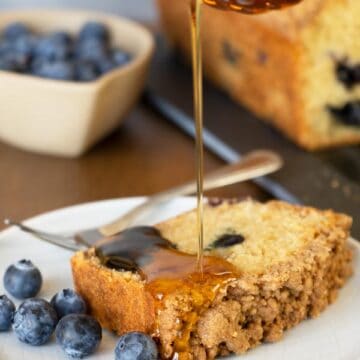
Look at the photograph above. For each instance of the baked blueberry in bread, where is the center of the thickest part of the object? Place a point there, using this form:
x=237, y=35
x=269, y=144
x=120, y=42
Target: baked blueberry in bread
x=273, y=265
x=298, y=69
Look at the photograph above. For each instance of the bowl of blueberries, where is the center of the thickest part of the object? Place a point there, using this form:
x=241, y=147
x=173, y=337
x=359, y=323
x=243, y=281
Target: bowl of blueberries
x=68, y=78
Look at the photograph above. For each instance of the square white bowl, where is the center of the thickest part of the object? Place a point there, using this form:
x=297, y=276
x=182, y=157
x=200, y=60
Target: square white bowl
x=66, y=118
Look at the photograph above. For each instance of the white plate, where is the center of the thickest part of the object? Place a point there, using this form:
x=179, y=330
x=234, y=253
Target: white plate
x=332, y=336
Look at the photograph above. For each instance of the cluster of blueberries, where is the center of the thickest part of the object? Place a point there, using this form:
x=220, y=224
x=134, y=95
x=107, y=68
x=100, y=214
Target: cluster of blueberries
x=59, y=55
x=79, y=334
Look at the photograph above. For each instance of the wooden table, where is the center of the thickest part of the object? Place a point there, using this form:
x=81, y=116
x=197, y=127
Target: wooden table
x=144, y=156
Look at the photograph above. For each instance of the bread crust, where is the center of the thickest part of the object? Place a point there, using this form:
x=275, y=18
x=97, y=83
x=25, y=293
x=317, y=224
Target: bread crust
x=120, y=303
x=256, y=307
x=262, y=62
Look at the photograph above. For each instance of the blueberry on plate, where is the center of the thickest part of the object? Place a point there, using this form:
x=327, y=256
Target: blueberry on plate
x=22, y=280
x=15, y=30
x=94, y=29
x=34, y=322
x=136, y=346
x=68, y=302
x=58, y=70
x=78, y=335
x=7, y=310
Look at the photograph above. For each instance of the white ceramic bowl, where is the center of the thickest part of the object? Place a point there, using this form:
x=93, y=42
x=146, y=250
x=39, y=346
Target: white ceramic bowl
x=66, y=118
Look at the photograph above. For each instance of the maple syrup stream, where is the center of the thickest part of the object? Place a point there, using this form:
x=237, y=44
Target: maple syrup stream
x=195, y=18
x=244, y=6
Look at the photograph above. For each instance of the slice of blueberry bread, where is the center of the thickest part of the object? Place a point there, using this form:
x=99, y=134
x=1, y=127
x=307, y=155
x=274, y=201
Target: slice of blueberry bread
x=277, y=264
x=297, y=68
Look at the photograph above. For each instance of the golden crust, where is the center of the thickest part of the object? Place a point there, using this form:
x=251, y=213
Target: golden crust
x=119, y=302
x=277, y=63
x=257, y=307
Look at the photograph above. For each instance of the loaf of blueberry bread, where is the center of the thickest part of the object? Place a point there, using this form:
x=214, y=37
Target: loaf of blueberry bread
x=298, y=69
x=273, y=265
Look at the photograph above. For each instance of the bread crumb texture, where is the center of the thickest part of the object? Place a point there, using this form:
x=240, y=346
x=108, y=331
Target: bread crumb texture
x=292, y=262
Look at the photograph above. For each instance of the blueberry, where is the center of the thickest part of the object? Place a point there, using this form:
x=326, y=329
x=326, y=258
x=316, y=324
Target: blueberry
x=348, y=74
x=12, y=62
x=68, y=302
x=349, y=114
x=11, y=59
x=91, y=50
x=93, y=29
x=86, y=71
x=58, y=70
x=7, y=310
x=5, y=47
x=25, y=45
x=53, y=48
x=356, y=72
x=105, y=65
x=15, y=30
x=7, y=64
x=34, y=322
x=120, y=57
x=63, y=37
x=344, y=74
x=136, y=346
x=78, y=335
x=35, y=65
x=22, y=279
x=228, y=240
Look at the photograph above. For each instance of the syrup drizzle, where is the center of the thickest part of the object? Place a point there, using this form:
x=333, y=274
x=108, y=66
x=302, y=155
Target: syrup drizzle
x=167, y=270
x=143, y=249
x=195, y=17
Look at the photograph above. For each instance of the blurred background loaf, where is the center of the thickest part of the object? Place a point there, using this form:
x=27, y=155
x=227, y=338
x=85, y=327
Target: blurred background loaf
x=299, y=69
